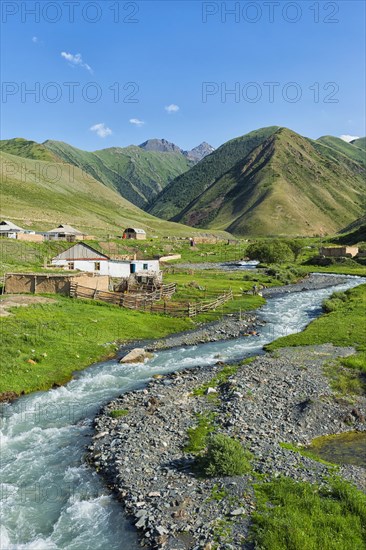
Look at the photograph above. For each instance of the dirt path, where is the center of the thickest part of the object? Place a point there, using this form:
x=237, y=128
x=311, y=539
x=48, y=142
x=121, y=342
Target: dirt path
x=18, y=300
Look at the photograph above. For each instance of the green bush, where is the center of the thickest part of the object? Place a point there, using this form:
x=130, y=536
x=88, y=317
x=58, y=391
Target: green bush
x=296, y=246
x=334, y=302
x=275, y=251
x=283, y=274
x=198, y=435
x=326, y=262
x=226, y=457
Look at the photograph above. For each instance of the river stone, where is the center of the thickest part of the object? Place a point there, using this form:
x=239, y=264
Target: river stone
x=238, y=512
x=137, y=355
x=141, y=522
x=100, y=435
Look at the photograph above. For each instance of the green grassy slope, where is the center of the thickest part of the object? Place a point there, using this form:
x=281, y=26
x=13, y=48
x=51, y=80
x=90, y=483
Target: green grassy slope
x=360, y=142
x=27, y=149
x=354, y=233
x=39, y=195
x=356, y=224
x=136, y=174
x=337, y=146
x=184, y=189
x=283, y=187
x=69, y=335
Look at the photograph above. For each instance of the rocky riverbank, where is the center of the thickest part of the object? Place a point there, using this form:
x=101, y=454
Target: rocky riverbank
x=280, y=397
x=230, y=326
x=313, y=282
x=234, y=325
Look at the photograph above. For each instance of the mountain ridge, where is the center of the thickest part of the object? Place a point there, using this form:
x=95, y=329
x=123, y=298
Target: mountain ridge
x=163, y=146
x=271, y=181
x=138, y=175
x=169, y=203
x=287, y=184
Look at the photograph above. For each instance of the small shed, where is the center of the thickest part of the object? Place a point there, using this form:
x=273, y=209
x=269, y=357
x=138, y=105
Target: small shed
x=134, y=233
x=338, y=251
x=9, y=229
x=64, y=232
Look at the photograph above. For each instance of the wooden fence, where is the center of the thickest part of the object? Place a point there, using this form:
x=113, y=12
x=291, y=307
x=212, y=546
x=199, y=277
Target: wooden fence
x=149, y=301
x=204, y=307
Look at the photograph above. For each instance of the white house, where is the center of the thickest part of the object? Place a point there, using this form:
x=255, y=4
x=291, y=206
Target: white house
x=64, y=232
x=9, y=229
x=83, y=257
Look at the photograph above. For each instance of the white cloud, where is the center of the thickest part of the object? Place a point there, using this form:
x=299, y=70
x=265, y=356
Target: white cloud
x=76, y=60
x=348, y=138
x=136, y=122
x=35, y=39
x=101, y=130
x=172, y=108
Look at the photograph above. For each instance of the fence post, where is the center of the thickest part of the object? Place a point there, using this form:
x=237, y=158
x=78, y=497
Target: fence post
x=72, y=291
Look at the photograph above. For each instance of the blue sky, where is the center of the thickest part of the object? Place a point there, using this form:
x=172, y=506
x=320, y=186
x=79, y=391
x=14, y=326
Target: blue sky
x=139, y=70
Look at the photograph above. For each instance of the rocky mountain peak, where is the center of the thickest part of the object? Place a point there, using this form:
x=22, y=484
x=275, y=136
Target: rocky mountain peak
x=160, y=146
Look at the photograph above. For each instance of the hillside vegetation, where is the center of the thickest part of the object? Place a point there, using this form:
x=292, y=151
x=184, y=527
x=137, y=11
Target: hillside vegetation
x=37, y=194
x=336, y=145
x=187, y=187
x=360, y=142
x=136, y=174
x=269, y=182
x=284, y=185
x=353, y=233
x=27, y=149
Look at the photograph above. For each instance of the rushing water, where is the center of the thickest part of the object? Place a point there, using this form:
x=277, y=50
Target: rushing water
x=49, y=498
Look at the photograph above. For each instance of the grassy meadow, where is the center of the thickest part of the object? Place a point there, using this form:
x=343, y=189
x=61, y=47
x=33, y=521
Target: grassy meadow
x=300, y=516
x=47, y=329
x=43, y=344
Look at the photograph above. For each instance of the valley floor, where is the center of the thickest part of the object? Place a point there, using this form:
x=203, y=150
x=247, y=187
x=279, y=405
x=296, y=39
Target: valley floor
x=44, y=343
x=148, y=445
x=277, y=398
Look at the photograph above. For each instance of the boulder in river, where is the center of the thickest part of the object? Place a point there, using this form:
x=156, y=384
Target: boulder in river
x=137, y=355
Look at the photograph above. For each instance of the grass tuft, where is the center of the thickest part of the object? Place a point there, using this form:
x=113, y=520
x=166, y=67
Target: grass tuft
x=118, y=413
x=302, y=516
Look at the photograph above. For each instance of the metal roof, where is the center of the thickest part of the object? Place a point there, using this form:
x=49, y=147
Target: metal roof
x=81, y=251
x=6, y=225
x=66, y=229
x=136, y=230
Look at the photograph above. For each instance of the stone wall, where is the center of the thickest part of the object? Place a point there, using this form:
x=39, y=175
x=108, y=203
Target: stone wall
x=338, y=251
x=33, y=238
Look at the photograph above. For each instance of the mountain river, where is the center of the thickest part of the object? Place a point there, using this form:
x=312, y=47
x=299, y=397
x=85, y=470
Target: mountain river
x=51, y=499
